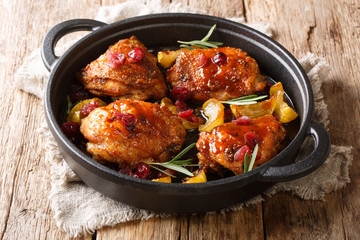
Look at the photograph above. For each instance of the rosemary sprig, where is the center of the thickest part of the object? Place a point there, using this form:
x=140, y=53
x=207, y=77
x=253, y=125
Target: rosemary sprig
x=249, y=166
x=203, y=43
x=176, y=164
x=246, y=100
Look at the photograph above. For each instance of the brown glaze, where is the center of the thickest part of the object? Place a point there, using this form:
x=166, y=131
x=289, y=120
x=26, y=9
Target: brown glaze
x=157, y=135
x=238, y=76
x=217, y=148
x=140, y=81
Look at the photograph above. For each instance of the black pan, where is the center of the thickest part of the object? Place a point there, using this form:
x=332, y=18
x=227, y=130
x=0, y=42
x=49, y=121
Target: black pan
x=161, y=30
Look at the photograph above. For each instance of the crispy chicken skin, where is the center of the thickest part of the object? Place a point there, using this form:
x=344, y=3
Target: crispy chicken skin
x=218, y=147
x=140, y=81
x=238, y=76
x=154, y=134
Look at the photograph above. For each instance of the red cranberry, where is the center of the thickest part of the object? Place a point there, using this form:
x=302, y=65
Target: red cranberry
x=202, y=60
x=127, y=120
x=180, y=93
x=251, y=139
x=243, y=120
x=240, y=154
x=219, y=58
x=181, y=106
x=78, y=93
x=71, y=130
x=186, y=113
x=126, y=171
x=195, y=119
x=88, y=108
x=142, y=171
x=115, y=59
x=136, y=55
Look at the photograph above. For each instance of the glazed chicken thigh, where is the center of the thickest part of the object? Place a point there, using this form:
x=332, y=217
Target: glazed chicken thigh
x=222, y=73
x=127, y=132
x=125, y=70
x=221, y=147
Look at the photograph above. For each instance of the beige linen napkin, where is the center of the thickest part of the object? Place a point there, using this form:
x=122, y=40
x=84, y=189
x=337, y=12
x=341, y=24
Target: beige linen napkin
x=79, y=209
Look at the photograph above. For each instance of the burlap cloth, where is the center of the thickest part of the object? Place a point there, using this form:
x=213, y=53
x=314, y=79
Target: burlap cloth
x=79, y=209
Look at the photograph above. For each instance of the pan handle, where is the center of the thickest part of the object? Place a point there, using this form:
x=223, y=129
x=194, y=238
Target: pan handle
x=305, y=166
x=52, y=37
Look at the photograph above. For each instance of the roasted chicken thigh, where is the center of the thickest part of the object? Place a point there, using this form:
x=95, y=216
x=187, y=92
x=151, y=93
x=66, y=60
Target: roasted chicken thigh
x=225, y=145
x=125, y=70
x=127, y=132
x=222, y=73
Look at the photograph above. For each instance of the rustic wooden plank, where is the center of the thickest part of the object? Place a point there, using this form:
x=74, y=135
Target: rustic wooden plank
x=327, y=29
x=340, y=21
x=246, y=223
x=288, y=217
x=285, y=215
x=291, y=21
x=154, y=228
x=25, y=210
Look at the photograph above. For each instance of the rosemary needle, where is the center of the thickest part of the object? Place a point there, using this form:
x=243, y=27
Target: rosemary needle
x=246, y=162
x=248, y=166
x=253, y=157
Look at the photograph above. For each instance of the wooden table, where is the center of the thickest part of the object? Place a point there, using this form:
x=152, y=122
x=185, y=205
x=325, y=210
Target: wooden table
x=328, y=28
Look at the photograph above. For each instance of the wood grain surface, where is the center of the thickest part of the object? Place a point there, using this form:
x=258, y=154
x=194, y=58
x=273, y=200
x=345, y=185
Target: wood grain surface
x=328, y=28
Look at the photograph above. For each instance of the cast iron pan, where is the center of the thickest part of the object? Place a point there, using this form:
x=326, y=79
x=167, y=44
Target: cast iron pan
x=161, y=30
